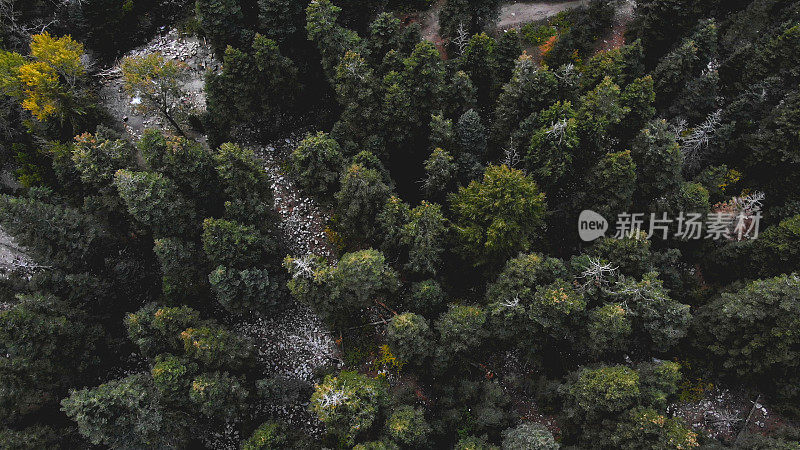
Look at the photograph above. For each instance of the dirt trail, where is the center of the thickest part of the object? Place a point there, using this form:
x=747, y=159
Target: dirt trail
x=513, y=15
x=622, y=17
x=430, y=22
x=302, y=222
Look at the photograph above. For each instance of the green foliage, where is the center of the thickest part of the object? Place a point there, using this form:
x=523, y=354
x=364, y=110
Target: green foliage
x=609, y=329
x=348, y=404
x=785, y=438
x=155, y=201
x=423, y=76
x=442, y=134
x=506, y=53
x=498, y=217
x=750, y=330
x=409, y=338
x=601, y=110
x=639, y=96
x=47, y=347
x=472, y=134
x=474, y=443
x=233, y=244
x=256, y=90
x=537, y=35
x=307, y=276
x=459, y=97
x=613, y=182
x=599, y=393
x=553, y=306
x=622, y=64
x=332, y=39
x=172, y=376
x=523, y=274
x=54, y=234
x=685, y=63
x=123, y=414
x=269, y=436
x=97, y=157
x=650, y=18
x=155, y=329
x=778, y=248
x=365, y=106
x=553, y=147
x=188, y=163
x=376, y=445
x=358, y=279
x=478, y=408
x=181, y=275
x=477, y=63
x=407, y=426
x=280, y=20
x=216, y=348
x=31, y=438
x=660, y=382
x=246, y=185
x=317, y=162
x=584, y=26
x=440, y=170
x=425, y=235
x=390, y=223
x=426, y=297
x=362, y=195
x=530, y=90
x=159, y=82
x=630, y=254
x=48, y=84
x=462, y=331
x=220, y=20
x=242, y=291
x=644, y=428
x=217, y=394
x=511, y=295
x=659, y=321
x=529, y=436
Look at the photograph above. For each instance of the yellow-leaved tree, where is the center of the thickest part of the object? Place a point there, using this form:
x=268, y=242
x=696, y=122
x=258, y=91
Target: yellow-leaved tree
x=159, y=84
x=46, y=82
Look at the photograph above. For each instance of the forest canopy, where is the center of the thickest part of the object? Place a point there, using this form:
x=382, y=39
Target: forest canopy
x=456, y=224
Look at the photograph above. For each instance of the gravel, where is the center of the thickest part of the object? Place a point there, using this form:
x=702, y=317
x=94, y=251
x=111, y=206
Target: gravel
x=303, y=222
x=194, y=52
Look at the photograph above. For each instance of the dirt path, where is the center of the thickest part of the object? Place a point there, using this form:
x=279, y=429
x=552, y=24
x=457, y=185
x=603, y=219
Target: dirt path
x=303, y=222
x=430, y=22
x=513, y=15
x=622, y=17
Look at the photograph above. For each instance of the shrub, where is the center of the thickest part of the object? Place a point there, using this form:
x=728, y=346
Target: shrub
x=348, y=404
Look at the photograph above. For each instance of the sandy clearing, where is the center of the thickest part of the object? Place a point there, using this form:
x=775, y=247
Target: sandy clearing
x=513, y=15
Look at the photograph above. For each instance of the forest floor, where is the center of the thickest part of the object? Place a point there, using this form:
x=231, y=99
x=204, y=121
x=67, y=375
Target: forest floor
x=511, y=15
x=622, y=17
x=194, y=52
x=514, y=15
